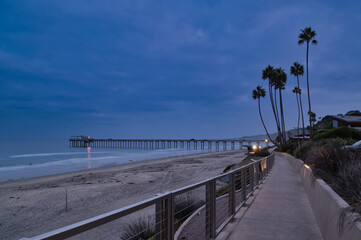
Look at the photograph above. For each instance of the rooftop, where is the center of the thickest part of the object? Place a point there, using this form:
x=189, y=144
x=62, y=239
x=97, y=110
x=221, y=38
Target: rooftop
x=348, y=118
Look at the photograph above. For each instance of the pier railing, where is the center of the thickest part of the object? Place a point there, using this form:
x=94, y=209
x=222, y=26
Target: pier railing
x=198, y=211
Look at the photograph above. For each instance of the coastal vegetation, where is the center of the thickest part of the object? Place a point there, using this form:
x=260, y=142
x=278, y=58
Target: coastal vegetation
x=343, y=132
x=337, y=137
x=140, y=229
x=340, y=168
x=263, y=152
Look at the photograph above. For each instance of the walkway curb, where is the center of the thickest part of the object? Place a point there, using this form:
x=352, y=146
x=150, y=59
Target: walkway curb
x=328, y=207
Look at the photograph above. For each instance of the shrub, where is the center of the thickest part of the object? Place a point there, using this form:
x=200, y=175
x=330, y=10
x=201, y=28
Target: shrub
x=261, y=152
x=139, y=229
x=341, y=169
x=290, y=147
x=306, y=146
x=144, y=227
x=335, y=141
x=303, y=149
x=340, y=132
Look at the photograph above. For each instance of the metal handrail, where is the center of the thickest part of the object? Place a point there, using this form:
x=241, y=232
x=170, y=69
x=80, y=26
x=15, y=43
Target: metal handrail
x=165, y=205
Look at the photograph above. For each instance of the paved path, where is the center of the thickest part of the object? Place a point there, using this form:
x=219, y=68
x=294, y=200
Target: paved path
x=280, y=210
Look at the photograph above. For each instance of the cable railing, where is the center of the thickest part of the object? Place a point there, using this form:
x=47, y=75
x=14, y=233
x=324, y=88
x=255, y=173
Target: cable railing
x=197, y=211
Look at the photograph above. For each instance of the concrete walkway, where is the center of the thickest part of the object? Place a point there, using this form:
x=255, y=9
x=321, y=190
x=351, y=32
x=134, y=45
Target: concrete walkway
x=280, y=210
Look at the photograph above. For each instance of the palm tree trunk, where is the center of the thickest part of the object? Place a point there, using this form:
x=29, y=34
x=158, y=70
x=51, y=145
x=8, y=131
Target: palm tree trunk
x=298, y=122
x=303, y=120
x=276, y=107
x=282, y=119
x=260, y=115
x=279, y=127
x=308, y=92
x=272, y=103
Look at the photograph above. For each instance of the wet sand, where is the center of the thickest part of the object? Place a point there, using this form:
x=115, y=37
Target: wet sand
x=34, y=206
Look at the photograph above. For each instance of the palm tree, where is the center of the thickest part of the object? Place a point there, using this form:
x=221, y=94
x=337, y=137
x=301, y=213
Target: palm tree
x=297, y=70
x=257, y=94
x=280, y=79
x=296, y=90
x=307, y=35
x=268, y=73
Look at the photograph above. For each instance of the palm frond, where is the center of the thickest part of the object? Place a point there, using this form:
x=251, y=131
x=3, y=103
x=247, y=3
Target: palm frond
x=255, y=94
x=306, y=35
x=262, y=93
x=293, y=71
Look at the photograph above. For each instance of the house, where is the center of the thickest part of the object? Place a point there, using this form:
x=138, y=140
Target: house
x=350, y=120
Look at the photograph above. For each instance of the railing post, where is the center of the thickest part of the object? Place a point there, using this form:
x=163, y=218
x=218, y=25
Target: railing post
x=232, y=194
x=266, y=165
x=164, y=218
x=256, y=166
x=244, y=187
x=210, y=209
x=251, y=177
x=159, y=220
x=170, y=216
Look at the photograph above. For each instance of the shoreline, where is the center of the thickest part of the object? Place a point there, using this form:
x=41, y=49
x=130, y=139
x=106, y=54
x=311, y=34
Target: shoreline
x=29, y=207
x=104, y=168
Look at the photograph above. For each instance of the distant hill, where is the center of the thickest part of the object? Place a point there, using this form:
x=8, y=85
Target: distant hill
x=289, y=133
x=256, y=137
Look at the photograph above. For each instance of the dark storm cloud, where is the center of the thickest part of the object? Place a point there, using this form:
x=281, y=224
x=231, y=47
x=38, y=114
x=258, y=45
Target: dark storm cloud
x=123, y=64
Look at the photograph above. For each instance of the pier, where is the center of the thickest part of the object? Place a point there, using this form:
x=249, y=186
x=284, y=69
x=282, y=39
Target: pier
x=218, y=144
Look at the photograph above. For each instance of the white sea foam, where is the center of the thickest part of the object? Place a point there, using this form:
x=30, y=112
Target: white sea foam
x=52, y=154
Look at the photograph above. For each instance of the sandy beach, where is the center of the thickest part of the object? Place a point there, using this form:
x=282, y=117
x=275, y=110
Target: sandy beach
x=33, y=206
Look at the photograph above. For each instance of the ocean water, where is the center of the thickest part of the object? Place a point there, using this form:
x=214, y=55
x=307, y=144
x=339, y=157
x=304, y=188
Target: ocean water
x=26, y=159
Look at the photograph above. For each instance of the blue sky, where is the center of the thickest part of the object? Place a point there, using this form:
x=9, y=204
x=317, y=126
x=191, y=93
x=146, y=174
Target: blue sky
x=167, y=69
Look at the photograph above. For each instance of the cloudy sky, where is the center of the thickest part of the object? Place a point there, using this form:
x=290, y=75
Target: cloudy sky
x=167, y=69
